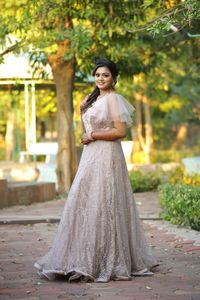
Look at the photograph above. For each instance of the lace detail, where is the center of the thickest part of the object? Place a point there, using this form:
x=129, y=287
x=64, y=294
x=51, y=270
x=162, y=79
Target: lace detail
x=100, y=236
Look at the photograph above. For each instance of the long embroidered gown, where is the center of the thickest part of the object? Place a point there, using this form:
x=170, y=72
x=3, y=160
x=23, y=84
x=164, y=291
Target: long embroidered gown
x=100, y=236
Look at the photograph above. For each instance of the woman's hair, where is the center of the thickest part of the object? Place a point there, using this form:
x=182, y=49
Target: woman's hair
x=102, y=62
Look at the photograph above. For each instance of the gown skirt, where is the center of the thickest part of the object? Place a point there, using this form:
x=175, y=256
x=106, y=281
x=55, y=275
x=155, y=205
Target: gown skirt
x=100, y=236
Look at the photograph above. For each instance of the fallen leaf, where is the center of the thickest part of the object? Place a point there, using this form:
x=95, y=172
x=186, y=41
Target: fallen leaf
x=178, y=246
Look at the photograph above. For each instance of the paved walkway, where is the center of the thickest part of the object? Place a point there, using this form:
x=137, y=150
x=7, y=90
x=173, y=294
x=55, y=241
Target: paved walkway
x=178, y=276
x=51, y=211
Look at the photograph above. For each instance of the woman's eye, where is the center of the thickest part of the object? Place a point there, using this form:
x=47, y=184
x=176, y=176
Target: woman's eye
x=103, y=75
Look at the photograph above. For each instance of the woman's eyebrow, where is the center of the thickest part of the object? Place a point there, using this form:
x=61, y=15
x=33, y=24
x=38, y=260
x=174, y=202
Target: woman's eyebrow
x=106, y=73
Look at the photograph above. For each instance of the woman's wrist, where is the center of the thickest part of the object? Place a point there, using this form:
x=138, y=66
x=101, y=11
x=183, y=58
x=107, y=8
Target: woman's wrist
x=90, y=136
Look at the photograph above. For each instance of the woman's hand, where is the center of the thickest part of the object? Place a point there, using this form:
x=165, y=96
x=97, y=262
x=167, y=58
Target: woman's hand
x=85, y=139
x=88, y=138
x=106, y=134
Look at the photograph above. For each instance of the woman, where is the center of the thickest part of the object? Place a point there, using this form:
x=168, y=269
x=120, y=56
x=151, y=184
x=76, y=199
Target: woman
x=100, y=237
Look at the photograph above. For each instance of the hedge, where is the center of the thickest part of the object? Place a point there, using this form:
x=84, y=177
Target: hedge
x=181, y=204
x=143, y=182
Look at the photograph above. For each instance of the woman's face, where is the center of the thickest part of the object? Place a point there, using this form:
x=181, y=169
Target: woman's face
x=103, y=78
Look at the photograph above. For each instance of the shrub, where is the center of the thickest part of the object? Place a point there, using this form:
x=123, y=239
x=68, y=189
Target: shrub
x=181, y=204
x=143, y=182
x=180, y=176
x=172, y=155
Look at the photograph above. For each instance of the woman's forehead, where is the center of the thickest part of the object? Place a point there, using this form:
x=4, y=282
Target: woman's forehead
x=103, y=70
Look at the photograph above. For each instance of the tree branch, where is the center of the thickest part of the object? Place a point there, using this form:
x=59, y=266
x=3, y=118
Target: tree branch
x=11, y=48
x=165, y=13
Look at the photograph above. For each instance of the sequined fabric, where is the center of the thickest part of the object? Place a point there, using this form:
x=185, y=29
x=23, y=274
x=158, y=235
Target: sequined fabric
x=100, y=236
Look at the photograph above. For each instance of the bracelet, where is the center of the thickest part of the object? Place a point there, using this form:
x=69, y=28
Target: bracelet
x=89, y=134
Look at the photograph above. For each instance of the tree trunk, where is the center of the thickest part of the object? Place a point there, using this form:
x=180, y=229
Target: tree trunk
x=10, y=127
x=148, y=129
x=139, y=142
x=63, y=72
x=181, y=136
x=144, y=135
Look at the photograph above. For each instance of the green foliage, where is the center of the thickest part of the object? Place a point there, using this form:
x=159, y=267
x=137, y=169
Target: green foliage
x=143, y=182
x=171, y=15
x=181, y=177
x=171, y=155
x=181, y=204
x=90, y=28
x=112, y=29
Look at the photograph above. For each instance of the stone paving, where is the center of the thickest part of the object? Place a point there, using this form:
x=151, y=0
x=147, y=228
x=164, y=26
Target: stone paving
x=177, y=277
x=51, y=211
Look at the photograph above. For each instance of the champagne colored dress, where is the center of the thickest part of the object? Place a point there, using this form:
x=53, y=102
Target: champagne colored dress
x=100, y=236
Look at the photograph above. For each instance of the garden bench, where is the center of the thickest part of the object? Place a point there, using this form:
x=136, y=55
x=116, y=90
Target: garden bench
x=49, y=149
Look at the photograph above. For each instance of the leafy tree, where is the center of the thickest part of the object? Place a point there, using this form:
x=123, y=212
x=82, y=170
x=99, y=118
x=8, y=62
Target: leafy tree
x=65, y=32
x=162, y=66
x=70, y=34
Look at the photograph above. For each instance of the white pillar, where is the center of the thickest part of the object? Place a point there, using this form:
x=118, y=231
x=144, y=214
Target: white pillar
x=27, y=135
x=33, y=115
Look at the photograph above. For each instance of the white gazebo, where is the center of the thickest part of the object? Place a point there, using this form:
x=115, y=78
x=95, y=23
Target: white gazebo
x=16, y=69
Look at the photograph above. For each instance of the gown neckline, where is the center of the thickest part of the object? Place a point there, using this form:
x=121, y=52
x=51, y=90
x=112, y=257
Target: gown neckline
x=105, y=95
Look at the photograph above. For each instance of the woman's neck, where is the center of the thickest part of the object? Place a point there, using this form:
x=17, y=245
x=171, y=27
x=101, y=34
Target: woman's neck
x=104, y=92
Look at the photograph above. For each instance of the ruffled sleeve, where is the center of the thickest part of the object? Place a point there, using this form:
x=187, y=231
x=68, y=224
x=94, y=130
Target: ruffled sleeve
x=118, y=109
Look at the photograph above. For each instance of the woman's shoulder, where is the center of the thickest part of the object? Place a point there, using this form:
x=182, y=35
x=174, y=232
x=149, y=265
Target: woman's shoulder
x=116, y=99
x=114, y=96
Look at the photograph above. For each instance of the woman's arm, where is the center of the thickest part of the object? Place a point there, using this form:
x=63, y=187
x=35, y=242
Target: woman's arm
x=117, y=132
